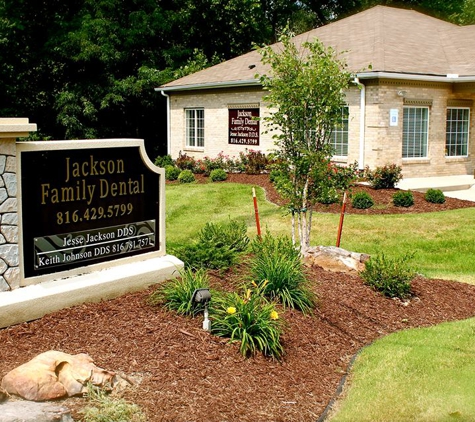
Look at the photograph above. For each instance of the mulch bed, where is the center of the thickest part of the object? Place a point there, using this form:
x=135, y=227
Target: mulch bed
x=189, y=375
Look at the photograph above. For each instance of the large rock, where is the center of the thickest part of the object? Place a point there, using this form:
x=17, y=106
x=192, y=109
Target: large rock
x=335, y=259
x=27, y=411
x=52, y=375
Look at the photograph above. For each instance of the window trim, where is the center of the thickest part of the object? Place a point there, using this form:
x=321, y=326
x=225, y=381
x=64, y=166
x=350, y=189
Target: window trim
x=196, y=130
x=467, y=134
x=405, y=147
x=343, y=131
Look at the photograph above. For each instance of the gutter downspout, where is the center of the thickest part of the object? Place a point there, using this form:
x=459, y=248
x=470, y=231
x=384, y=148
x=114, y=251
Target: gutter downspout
x=362, y=122
x=169, y=146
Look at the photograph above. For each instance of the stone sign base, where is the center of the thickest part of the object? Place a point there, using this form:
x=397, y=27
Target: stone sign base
x=32, y=302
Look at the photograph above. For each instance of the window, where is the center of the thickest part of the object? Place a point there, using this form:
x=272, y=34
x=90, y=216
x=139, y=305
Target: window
x=195, y=127
x=415, y=132
x=339, y=138
x=456, y=139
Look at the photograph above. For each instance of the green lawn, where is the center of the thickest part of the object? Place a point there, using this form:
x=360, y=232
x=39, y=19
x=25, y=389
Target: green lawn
x=414, y=375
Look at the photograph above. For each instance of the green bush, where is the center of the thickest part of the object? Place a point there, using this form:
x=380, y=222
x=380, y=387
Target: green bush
x=384, y=177
x=164, y=161
x=391, y=277
x=232, y=234
x=176, y=294
x=435, y=196
x=105, y=408
x=171, y=172
x=218, y=246
x=403, y=199
x=186, y=176
x=250, y=319
x=218, y=175
x=362, y=200
x=277, y=262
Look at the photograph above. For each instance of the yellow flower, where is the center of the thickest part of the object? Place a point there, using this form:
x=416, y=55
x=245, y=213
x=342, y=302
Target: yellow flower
x=248, y=294
x=254, y=284
x=231, y=310
x=265, y=283
x=274, y=315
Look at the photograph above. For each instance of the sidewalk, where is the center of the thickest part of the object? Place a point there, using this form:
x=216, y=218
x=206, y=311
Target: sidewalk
x=461, y=187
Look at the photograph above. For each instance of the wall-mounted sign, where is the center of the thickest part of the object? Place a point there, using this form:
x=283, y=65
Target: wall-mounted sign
x=87, y=205
x=244, y=126
x=393, y=117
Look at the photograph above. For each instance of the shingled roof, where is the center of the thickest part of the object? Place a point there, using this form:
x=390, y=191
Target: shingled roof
x=379, y=41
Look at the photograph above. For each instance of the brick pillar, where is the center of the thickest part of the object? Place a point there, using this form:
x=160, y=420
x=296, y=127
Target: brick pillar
x=10, y=130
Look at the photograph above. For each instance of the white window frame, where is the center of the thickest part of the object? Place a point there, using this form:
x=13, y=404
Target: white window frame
x=340, y=134
x=457, y=132
x=415, y=132
x=195, y=128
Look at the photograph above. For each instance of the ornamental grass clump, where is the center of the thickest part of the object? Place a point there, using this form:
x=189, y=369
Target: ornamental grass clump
x=391, y=277
x=277, y=262
x=250, y=319
x=103, y=407
x=218, y=246
x=176, y=294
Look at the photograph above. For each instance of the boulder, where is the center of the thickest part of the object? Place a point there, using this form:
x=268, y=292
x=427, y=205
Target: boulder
x=52, y=375
x=335, y=259
x=27, y=411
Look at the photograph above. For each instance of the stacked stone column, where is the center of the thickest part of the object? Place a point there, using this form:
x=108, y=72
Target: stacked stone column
x=10, y=130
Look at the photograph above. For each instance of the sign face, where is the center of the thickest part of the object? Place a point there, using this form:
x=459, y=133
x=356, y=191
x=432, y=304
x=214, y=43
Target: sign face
x=88, y=205
x=244, y=126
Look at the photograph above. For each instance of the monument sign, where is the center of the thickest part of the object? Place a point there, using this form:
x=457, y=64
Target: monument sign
x=87, y=202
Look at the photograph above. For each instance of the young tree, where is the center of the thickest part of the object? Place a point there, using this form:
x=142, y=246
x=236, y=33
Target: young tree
x=306, y=94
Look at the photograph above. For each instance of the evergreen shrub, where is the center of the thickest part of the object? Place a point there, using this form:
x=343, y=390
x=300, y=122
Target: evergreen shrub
x=403, y=199
x=362, y=200
x=434, y=196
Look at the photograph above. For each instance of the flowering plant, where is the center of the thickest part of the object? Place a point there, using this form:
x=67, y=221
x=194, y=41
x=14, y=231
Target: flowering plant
x=249, y=318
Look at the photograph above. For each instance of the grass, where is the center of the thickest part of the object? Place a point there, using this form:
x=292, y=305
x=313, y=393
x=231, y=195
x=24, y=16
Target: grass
x=423, y=375
x=442, y=242
x=415, y=375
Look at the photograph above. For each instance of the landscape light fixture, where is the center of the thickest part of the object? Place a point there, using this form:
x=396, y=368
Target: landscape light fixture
x=203, y=296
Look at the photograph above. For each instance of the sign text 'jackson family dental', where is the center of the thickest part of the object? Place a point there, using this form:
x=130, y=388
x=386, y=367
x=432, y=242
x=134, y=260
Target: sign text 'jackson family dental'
x=86, y=205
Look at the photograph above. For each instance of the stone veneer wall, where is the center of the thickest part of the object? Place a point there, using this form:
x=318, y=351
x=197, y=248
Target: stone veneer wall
x=9, y=253
x=10, y=130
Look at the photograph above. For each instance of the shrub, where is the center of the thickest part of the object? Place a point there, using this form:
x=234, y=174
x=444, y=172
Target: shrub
x=277, y=262
x=328, y=196
x=106, y=408
x=217, y=247
x=250, y=319
x=172, y=172
x=164, y=161
x=391, y=277
x=384, y=177
x=186, y=176
x=362, y=200
x=403, y=199
x=435, y=196
x=176, y=294
x=218, y=175
x=185, y=162
x=232, y=234
x=254, y=162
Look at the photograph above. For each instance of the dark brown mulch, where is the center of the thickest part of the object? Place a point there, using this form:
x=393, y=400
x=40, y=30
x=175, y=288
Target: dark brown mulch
x=189, y=375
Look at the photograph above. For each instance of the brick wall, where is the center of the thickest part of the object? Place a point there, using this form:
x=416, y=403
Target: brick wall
x=382, y=141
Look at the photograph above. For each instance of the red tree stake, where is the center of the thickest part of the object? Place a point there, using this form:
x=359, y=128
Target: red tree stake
x=256, y=210
x=342, y=216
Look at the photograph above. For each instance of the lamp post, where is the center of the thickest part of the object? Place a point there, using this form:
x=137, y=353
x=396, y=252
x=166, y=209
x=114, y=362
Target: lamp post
x=203, y=296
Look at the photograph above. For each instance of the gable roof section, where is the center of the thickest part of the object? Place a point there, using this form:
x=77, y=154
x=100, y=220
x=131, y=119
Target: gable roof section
x=379, y=41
